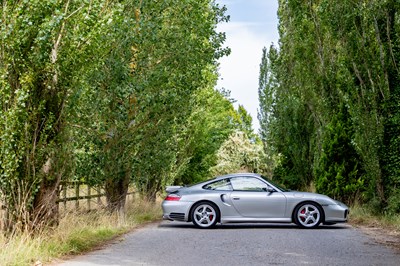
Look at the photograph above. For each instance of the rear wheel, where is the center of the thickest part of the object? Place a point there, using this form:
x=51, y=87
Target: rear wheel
x=205, y=215
x=308, y=215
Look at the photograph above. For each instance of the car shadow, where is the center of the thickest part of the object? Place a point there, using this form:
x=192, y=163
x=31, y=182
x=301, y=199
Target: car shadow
x=239, y=226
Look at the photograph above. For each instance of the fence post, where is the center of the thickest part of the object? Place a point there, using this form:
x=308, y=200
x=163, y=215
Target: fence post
x=77, y=195
x=65, y=195
x=99, y=197
x=89, y=198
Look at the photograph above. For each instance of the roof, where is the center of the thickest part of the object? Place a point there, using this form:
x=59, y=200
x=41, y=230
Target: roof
x=236, y=174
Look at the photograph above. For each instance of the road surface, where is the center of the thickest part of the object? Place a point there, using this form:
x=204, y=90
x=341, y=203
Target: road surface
x=174, y=243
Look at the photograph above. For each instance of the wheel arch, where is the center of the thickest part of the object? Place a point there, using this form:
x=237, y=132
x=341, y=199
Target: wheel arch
x=204, y=201
x=306, y=202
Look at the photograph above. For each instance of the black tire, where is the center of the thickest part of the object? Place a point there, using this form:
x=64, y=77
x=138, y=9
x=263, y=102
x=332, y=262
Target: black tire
x=205, y=215
x=308, y=215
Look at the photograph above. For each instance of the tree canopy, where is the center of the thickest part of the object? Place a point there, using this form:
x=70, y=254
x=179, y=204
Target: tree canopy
x=329, y=99
x=111, y=93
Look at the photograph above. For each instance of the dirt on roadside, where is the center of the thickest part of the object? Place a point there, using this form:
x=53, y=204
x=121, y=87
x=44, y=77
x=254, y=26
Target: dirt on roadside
x=386, y=236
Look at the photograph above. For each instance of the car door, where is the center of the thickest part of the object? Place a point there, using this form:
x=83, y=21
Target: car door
x=251, y=198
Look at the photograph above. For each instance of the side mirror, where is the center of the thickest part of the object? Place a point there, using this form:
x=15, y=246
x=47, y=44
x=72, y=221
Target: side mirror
x=269, y=189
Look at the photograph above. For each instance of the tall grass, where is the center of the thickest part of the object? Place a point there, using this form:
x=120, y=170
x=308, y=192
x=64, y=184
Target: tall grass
x=76, y=233
x=362, y=215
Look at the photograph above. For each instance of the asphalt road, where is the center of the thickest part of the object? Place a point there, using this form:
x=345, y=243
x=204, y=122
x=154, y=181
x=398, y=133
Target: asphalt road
x=174, y=243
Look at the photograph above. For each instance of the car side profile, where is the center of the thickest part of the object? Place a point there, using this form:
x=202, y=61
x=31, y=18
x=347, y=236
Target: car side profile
x=249, y=198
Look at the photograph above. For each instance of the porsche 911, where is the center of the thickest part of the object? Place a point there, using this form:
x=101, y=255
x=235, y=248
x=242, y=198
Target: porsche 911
x=249, y=198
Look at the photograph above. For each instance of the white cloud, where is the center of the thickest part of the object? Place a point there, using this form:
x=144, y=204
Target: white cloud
x=239, y=71
x=253, y=25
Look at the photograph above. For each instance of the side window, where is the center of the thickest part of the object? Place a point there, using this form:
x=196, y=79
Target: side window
x=223, y=184
x=244, y=183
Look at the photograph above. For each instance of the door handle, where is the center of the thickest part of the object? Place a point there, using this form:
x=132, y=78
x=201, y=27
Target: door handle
x=236, y=198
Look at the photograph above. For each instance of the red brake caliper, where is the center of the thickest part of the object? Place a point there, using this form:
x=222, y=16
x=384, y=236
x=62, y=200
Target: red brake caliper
x=303, y=211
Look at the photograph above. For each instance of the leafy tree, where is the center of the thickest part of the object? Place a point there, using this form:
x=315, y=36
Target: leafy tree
x=45, y=47
x=159, y=55
x=338, y=174
x=106, y=110
x=266, y=92
x=332, y=87
x=210, y=124
x=239, y=154
x=366, y=33
x=177, y=47
x=245, y=121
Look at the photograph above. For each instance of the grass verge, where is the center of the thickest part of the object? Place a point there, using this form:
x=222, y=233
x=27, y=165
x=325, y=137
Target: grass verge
x=362, y=216
x=75, y=234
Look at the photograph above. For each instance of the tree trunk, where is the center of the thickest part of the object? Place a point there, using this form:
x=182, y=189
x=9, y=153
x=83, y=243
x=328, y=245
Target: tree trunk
x=45, y=207
x=151, y=196
x=151, y=188
x=116, y=191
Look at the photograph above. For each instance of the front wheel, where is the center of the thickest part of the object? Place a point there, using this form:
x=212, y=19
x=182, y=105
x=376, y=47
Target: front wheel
x=205, y=215
x=308, y=215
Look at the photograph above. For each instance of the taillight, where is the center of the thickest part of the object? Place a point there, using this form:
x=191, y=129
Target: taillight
x=173, y=197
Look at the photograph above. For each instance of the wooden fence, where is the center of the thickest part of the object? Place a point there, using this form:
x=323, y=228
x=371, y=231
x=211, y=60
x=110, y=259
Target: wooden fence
x=76, y=196
x=81, y=195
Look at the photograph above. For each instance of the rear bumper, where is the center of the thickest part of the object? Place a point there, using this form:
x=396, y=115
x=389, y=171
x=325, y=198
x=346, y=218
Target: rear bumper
x=176, y=210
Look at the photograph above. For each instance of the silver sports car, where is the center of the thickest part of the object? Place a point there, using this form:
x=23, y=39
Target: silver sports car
x=249, y=198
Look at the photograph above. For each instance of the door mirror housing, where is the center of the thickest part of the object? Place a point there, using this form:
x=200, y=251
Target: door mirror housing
x=269, y=189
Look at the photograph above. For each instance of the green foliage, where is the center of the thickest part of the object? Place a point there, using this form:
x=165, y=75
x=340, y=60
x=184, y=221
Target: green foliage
x=45, y=46
x=245, y=121
x=212, y=121
x=266, y=92
x=329, y=99
x=287, y=124
x=239, y=154
x=106, y=92
x=155, y=62
x=338, y=174
x=105, y=136
x=174, y=61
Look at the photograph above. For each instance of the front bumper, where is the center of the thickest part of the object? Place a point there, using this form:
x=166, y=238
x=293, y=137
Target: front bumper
x=336, y=213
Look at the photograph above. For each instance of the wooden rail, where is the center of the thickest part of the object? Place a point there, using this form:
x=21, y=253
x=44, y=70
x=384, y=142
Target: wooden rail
x=77, y=188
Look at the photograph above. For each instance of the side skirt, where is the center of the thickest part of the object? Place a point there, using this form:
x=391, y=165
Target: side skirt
x=255, y=220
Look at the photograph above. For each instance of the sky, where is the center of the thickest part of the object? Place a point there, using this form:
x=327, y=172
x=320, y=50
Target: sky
x=253, y=25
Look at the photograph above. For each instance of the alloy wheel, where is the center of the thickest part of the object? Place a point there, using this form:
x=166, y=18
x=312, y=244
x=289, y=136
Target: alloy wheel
x=308, y=215
x=204, y=215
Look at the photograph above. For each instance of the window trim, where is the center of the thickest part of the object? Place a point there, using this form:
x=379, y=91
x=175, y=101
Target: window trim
x=249, y=177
